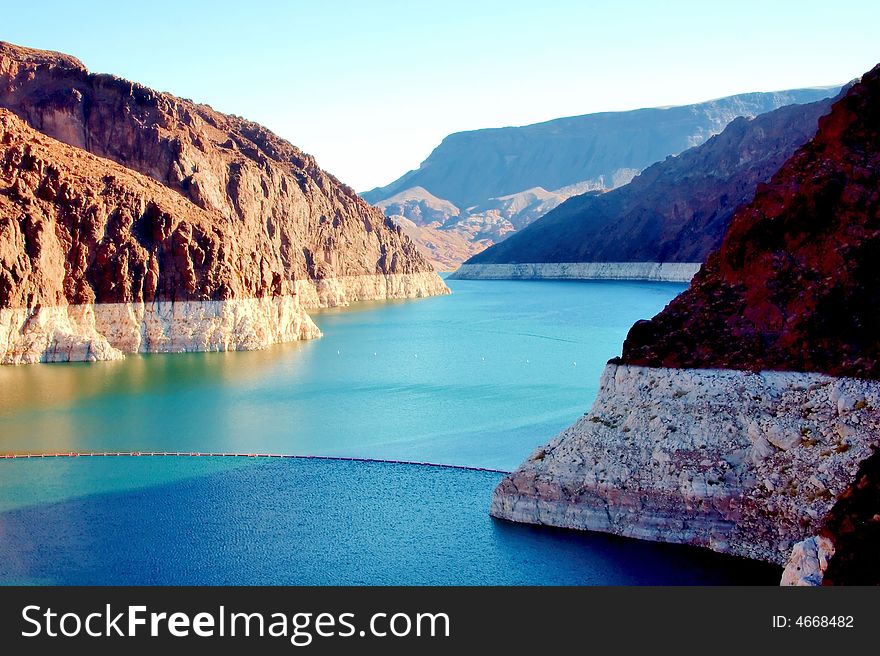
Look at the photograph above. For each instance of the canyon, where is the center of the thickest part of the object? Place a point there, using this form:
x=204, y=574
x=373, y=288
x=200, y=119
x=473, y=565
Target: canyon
x=675, y=211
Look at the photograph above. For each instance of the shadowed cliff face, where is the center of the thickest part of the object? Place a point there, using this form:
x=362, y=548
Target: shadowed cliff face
x=796, y=282
x=854, y=526
x=298, y=221
x=677, y=210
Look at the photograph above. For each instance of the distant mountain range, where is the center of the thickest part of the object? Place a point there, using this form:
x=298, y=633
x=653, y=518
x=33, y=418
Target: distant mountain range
x=485, y=185
x=676, y=210
x=449, y=235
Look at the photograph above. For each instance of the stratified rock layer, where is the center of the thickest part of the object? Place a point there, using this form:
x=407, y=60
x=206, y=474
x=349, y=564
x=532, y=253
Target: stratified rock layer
x=655, y=271
x=743, y=463
x=131, y=220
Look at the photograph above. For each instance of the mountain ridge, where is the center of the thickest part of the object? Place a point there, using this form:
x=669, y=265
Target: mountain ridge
x=676, y=210
x=567, y=156
x=718, y=112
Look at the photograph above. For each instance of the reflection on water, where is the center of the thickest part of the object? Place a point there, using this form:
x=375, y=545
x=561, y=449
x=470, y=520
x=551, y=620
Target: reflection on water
x=478, y=378
x=62, y=385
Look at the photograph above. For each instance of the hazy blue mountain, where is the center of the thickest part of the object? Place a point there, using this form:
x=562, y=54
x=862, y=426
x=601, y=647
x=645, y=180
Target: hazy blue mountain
x=469, y=168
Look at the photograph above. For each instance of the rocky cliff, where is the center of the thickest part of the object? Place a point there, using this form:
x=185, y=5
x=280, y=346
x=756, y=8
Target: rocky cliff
x=794, y=285
x=745, y=417
x=747, y=464
x=677, y=210
x=133, y=220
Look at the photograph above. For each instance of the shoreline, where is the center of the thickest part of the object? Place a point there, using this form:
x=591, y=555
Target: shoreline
x=647, y=271
x=107, y=331
x=738, y=462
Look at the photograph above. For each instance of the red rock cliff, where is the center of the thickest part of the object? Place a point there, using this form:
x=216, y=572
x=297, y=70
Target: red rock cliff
x=113, y=193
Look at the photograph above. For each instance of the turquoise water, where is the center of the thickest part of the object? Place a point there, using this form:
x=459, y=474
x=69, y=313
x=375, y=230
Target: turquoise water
x=479, y=378
x=476, y=379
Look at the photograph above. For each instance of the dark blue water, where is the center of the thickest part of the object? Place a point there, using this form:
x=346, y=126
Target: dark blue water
x=313, y=522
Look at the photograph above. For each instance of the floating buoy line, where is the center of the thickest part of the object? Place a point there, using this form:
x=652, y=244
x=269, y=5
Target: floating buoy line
x=206, y=454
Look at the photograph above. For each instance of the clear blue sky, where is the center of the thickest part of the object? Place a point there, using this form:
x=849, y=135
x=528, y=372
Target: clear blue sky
x=370, y=87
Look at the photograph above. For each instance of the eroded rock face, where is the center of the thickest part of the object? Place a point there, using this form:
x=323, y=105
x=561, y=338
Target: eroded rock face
x=114, y=194
x=97, y=260
x=808, y=562
x=743, y=463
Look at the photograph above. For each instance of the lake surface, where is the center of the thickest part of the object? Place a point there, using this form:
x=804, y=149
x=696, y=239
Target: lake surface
x=477, y=379
x=311, y=522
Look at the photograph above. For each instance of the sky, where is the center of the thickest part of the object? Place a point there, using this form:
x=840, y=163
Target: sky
x=371, y=87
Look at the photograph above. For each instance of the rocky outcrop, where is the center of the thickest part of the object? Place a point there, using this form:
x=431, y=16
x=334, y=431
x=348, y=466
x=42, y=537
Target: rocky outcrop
x=677, y=210
x=794, y=285
x=131, y=220
x=745, y=417
x=742, y=463
x=808, y=562
x=97, y=260
x=654, y=271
